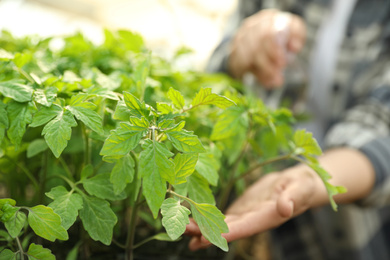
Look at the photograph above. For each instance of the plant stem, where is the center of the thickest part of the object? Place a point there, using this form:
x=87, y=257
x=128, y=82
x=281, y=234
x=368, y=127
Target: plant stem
x=25, y=170
x=87, y=155
x=131, y=228
x=28, y=77
x=66, y=168
x=21, y=252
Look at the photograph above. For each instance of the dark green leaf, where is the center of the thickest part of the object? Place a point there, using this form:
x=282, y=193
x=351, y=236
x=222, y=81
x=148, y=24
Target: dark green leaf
x=122, y=173
x=45, y=223
x=101, y=187
x=211, y=223
x=123, y=139
x=98, y=219
x=89, y=117
x=45, y=114
x=19, y=115
x=4, y=122
x=16, y=90
x=7, y=254
x=65, y=204
x=58, y=131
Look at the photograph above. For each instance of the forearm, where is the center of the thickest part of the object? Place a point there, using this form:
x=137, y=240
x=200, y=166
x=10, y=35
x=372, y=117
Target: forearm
x=349, y=168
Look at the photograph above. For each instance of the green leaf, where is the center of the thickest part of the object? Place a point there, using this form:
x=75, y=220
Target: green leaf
x=16, y=90
x=15, y=223
x=122, y=173
x=208, y=167
x=103, y=92
x=101, y=187
x=141, y=71
x=45, y=114
x=45, y=97
x=176, y=97
x=121, y=113
x=36, y=147
x=22, y=59
x=7, y=201
x=98, y=219
x=135, y=106
x=141, y=122
x=199, y=190
x=155, y=168
x=122, y=140
x=211, y=223
x=332, y=190
x=4, y=122
x=86, y=172
x=37, y=252
x=164, y=108
x=84, y=111
x=7, y=254
x=175, y=218
x=185, y=141
x=47, y=224
x=184, y=166
x=65, y=204
x=58, y=131
x=205, y=97
x=230, y=123
x=19, y=115
x=304, y=140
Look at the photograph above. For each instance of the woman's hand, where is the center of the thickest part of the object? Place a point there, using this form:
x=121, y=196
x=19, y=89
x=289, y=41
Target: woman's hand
x=260, y=45
x=268, y=203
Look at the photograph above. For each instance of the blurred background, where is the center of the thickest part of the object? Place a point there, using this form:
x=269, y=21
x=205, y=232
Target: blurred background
x=166, y=25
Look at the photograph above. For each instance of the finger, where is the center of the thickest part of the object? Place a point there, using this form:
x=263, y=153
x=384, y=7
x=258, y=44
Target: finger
x=295, y=199
x=198, y=242
x=261, y=219
x=192, y=229
x=297, y=34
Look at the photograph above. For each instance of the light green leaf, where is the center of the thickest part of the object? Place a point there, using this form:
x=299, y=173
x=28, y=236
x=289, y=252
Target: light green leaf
x=45, y=223
x=58, y=131
x=231, y=122
x=304, y=140
x=211, y=223
x=101, y=187
x=137, y=108
x=175, y=218
x=19, y=115
x=184, y=166
x=86, y=172
x=164, y=108
x=185, y=141
x=155, y=168
x=208, y=167
x=45, y=114
x=199, y=190
x=122, y=173
x=16, y=90
x=65, y=204
x=176, y=97
x=46, y=96
x=36, y=147
x=123, y=139
x=141, y=122
x=98, y=219
x=15, y=223
x=21, y=59
x=7, y=254
x=37, y=252
x=103, y=92
x=205, y=97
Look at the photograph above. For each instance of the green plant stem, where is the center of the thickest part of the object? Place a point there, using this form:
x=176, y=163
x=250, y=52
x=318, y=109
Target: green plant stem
x=25, y=74
x=66, y=168
x=182, y=197
x=87, y=150
x=131, y=228
x=21, y=252
x=25, y=170
x=229, y=186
